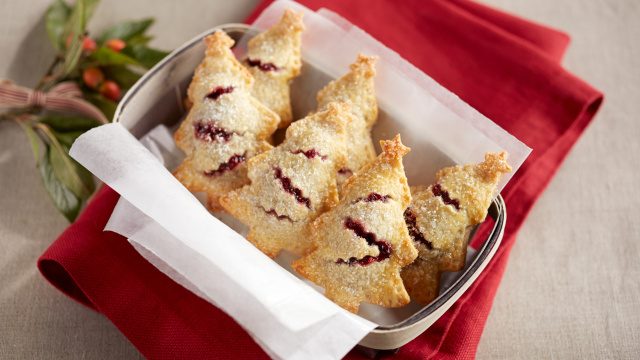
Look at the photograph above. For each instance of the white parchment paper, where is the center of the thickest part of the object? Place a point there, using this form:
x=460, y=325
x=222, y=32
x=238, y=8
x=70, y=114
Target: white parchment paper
x=287, y=317
x=208, y=255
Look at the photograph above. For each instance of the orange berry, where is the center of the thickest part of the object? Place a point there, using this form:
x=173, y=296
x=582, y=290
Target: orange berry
x=93, y=77
x=89, y=45
x=116, y=44
x=110, y=90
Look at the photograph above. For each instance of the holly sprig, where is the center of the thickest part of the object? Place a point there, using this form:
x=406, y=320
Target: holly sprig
x=105, y=67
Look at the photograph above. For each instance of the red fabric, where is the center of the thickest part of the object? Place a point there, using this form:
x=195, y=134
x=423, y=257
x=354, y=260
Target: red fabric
x=504, y=66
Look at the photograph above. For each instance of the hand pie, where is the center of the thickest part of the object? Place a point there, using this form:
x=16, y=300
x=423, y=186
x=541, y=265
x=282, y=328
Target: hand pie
x=274, y=59
x=361, y=244
x=293, y=183
x=225, y=125
x=357, y=88
x=439, y=217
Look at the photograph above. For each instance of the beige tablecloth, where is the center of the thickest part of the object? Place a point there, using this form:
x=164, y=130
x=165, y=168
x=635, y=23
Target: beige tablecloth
x=572, y=287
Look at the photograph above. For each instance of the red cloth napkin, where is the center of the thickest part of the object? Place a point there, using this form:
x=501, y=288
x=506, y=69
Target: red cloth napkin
x=506, y=67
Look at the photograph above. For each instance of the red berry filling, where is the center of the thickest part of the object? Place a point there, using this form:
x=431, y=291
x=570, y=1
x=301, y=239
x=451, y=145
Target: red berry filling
x=211, y=132
x=414, y=232
x=345, y=172
x=310, y=154
x=287, y=185
x=262, y=66
x=444, y=194
x=273, y=212
x=374, y=196
x=384, y=247
x=231, y=164
x=219, y=91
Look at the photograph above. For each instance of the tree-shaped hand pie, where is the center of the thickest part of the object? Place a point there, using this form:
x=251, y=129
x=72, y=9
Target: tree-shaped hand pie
x=355, y=87
x=225, y=126
x=293, y=183
x=439, y=217
x=274, y=59
x=361, y=244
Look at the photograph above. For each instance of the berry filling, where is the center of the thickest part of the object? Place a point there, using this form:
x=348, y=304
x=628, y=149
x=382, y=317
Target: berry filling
x=374, y=196
x=219, y=91
x=287, y=185
x=414, y=232
x=345, y=172
x=231, y=164
x=211, y=132
x=310, y=154
x=384, y=247
x=262, y=66
x=273, y=212
x=444, y=194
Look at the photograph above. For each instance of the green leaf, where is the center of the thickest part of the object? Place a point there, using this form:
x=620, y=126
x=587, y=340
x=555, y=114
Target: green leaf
x=55, y=20
x=123, y=76
x=76, y=28
x=104, y=56
x=66, y=169
x=67, y=172
x=72, y=56
x=86, y=177
x=63, y=198
x=67, y=138
x=126, y=30
x=34, y=140
x=64, y=123
x=105, y=105
x=90, y=6
x=139, y=40
x=146, y=56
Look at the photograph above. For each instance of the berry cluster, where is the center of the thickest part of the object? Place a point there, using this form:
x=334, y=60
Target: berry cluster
x=93, y=76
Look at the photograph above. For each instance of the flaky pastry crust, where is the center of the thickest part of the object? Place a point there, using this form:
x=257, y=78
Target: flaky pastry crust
x=361, y=244
x=225, y=125
x=293, y=183
x=274, y=60
x=440, y=216
x=357, y=88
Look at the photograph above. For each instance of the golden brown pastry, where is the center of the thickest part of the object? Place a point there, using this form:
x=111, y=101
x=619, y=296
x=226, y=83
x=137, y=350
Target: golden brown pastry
x=293, y=183
x=274, y=59
x=357, y=88
x=225, y=125
x=363, y=242
x=441, y=214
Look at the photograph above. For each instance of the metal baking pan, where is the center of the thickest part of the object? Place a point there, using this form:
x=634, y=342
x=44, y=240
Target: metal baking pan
x=157, y=98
